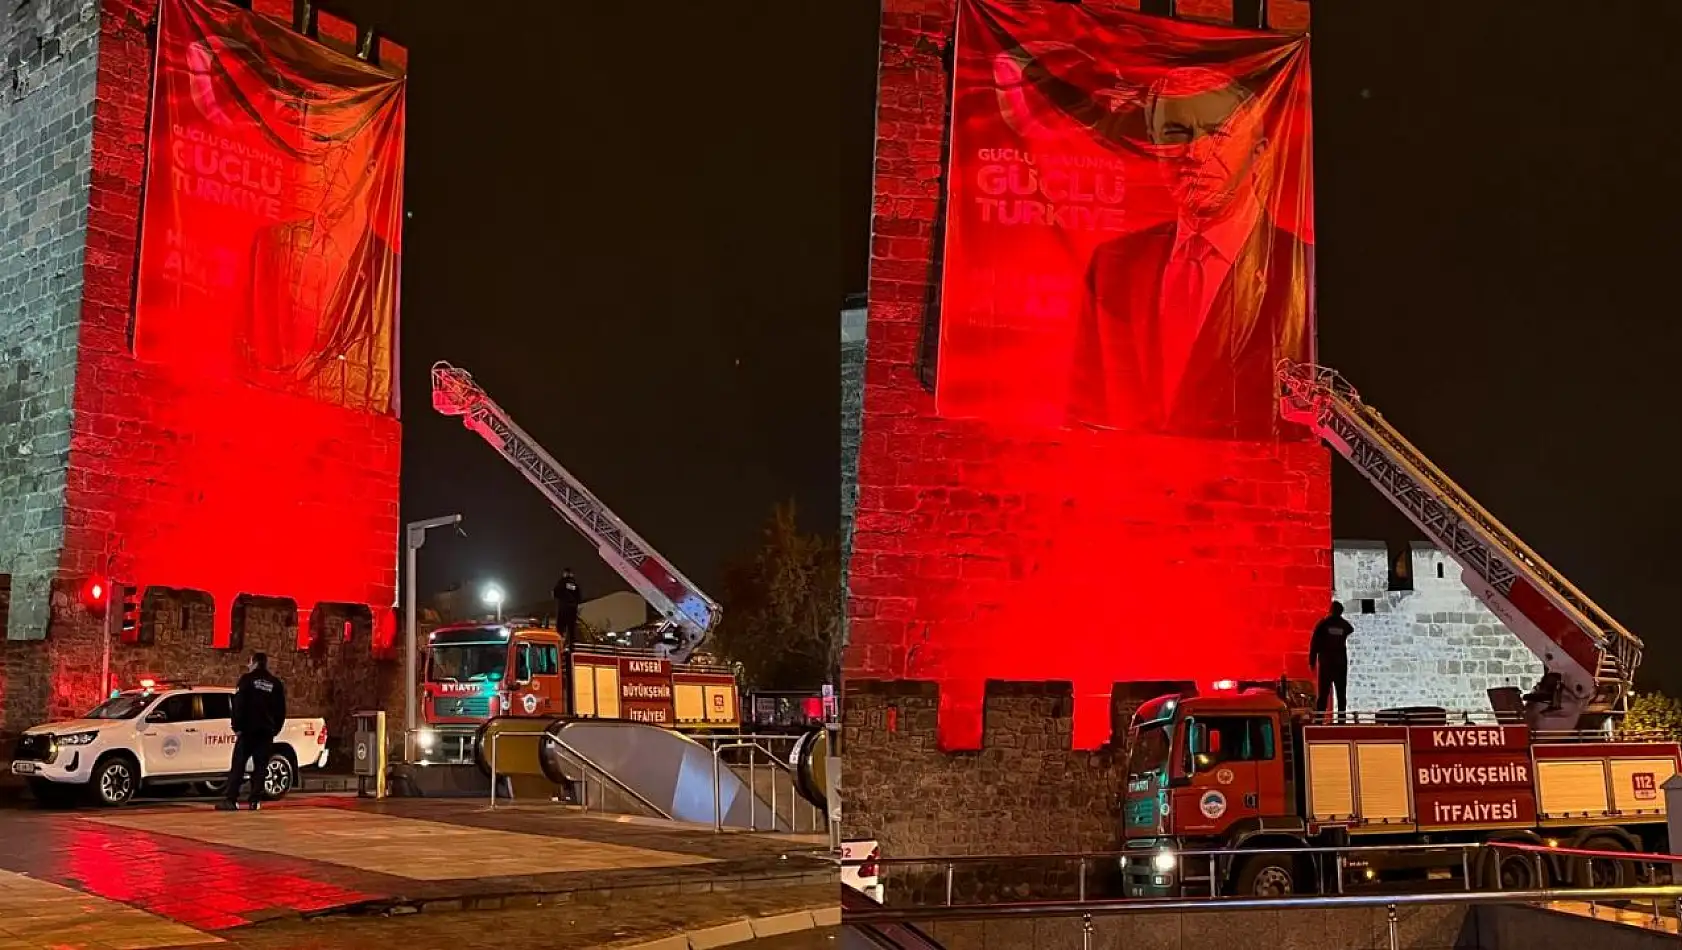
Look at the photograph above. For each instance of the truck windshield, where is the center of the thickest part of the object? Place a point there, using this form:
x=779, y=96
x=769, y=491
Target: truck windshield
x=126, y=706
x=467, y=662
x=1150, y=750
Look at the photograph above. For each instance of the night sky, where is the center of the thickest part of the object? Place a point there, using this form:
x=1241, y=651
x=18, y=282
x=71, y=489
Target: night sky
x=624, y=225
x=614, y=203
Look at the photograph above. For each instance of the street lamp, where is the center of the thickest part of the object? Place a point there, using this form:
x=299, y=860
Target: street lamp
x=413, y=537
x=493, y=595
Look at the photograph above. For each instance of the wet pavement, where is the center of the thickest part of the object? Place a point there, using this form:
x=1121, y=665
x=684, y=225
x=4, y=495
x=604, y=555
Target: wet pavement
x=572, y=926
x=185, y=865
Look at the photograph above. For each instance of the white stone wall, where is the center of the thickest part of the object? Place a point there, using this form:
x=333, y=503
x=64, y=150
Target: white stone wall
x=1433, y=646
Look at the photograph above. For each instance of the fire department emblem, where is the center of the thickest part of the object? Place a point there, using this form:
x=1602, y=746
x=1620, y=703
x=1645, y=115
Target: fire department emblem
x=172, y=746
x=1224, y=776
x=1212, y=804
x=529, y=703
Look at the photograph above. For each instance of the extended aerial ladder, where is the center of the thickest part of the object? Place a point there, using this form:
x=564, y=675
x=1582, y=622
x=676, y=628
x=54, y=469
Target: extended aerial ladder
x=685, y=611
x=1594, y=655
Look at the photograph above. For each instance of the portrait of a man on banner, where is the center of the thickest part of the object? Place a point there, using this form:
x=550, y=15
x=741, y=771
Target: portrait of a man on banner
x=1148, y=259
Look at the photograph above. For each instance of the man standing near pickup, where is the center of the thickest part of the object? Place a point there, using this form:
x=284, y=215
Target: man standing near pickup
x=259, y=714
x=1329, y=653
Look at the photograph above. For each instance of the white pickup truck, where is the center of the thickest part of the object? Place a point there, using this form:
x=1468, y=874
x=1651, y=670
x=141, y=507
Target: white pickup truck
x=156, y=735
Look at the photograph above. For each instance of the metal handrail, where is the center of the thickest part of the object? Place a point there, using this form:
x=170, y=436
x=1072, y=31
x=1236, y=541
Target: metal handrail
x=753, y=791
x=1636, y=856
x=756, y=741
x=1146, y=852
x=1165, y=905
x=1342, y=854
x=583, y=760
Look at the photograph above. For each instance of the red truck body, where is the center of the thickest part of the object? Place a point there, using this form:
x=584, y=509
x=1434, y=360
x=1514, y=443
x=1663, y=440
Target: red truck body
x=1245, y=770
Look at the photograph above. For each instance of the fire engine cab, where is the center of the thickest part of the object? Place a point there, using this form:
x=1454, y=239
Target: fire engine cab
x=1249, y=769
x=477, y=672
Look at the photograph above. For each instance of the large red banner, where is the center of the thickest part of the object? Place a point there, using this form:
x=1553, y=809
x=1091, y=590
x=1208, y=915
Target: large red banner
x=1128, y=223
x=273, y=213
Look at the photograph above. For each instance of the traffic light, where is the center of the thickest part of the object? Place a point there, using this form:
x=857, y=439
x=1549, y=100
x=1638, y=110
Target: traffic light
x=131, y=613
x=96, y=595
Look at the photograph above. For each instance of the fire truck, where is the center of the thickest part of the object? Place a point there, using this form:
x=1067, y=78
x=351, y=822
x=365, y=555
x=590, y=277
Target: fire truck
x=476, y=672
x=520, y=669
x=1246, y=767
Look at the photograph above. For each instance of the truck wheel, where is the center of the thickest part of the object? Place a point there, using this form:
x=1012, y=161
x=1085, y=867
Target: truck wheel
x=116, y=780
x=1602, y=872
x=1503, y=869
x=1266, y=875
x=279, y=775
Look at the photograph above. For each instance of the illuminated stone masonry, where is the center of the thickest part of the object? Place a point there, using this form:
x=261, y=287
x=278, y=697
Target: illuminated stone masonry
x=974, y=551
x=1431, y=645
x=47, y=82
x=93, y=441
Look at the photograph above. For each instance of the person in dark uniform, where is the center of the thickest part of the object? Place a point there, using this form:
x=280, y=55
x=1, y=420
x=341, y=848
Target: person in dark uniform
x=259, y=714
x=568, y=596
x=1328, y=653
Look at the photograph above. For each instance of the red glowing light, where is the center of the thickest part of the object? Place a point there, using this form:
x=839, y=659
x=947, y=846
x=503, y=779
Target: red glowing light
x=1187, y=540
x=260, y=453
x=96, y=594
x=1225, y=686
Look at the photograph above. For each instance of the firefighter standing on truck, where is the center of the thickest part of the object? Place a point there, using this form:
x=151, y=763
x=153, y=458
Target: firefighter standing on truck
x=259, y=714
x=568, y=596
x=1329, y=654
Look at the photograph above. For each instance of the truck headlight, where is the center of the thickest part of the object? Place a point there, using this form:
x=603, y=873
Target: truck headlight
x=76, y=738
x=427, y=739
x=1164, y=862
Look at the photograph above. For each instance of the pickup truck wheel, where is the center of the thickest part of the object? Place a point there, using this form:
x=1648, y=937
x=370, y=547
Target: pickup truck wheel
x=1266, y=875
x=279, y=775
x=115, y=781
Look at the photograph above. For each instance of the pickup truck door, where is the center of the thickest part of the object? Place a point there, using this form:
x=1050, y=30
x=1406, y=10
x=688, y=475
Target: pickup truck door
x=215, y=746
x=169, y=737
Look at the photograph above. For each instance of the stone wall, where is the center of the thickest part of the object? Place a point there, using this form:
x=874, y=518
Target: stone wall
x=336, y=676
x=144, y=472
x=1435, y=645
x=980, y=552
x=1025, y=790
x=852, y=415
x=48, y=62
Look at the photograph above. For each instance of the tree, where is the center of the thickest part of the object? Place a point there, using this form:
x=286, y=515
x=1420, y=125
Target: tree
x=1653, y=712
x=782, y=608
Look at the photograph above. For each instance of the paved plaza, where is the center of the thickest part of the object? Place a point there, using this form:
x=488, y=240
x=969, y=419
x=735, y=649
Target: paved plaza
x=336, y=871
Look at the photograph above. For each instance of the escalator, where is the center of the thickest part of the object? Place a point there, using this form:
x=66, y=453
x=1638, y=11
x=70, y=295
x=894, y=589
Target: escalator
x=878, y=936
x=644, y=769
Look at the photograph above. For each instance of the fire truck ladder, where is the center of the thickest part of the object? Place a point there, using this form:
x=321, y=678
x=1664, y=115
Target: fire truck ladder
x=1593, y=653
x=684, y=609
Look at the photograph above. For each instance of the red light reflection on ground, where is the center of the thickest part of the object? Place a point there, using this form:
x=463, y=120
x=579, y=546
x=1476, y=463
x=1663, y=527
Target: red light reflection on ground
x=198, y=886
